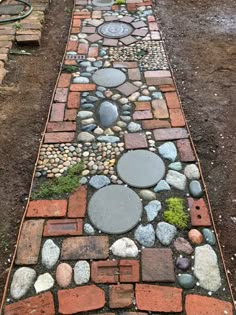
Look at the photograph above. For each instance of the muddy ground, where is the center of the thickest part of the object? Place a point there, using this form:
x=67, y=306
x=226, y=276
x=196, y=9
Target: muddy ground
x=201, y=43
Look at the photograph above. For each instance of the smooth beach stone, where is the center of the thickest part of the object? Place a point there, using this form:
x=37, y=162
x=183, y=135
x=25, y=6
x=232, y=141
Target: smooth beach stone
x=152, y=209
x=22, y=280
x=88, y=229
x=81, y=272
x=109, y=77
x=176, y=166
x=89, y=128
x=165, y=232
x=176, y=179
x=195, y=189
x=144, y=98
x=124, y=247
x=162, y=186
x=81, y=80
x=99, y=181
x=187, y=281
x=44, y=282
x=92, y=98
x=50, y=254
x=115, y=209
x=145, y=235
x=168, y=151
x=147, y=195
x=87, y=106
x=195, y=236
x=85, y=137
x=183, y=246
x=63, y=275
x=108, y=139
x=182, y=263
x=191, y=171
x=108, y=114
x=209, y=236
x=84, y=114
x=100, y=94
x=134, y=127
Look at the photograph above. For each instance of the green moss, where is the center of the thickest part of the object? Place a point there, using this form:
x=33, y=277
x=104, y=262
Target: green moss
x=175, y=213
x=61, y=185
x=69, y=68
x=119, y=2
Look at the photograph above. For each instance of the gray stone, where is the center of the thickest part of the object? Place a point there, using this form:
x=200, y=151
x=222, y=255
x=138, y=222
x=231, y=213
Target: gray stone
x=108, y=114
x=86, y=74
x=176, y=180
x=80, y=80
x=85, y=137
x=115, y=209
x=191, y=171
x=209, y=236
x=109, y=139
x=115, y=29
x=183, y=246
x=50, y=254
x=92, y=98
x=168, y=151
x=44, y=282
x=125, y=118
x=144, y=98
x=176, y=166
x=109, y=77
x=195, y=189
x=186, y=281
x=100, y=94
x=22, y=280
x=97, y=64
x=157, y=95
x=145, y=235
x=182, y=263
x=140, y=168
x=152, y=209
x=88, y=229
x=85, y=114
x=83, y=180
x=87, y=106
x=91, y=69
x=89, y=128
x=147, y=195
x=165, y=232
x=162, y=186
x=85, y=64
x=134, y=127
x=81, y=272
x=99, y=181
x=206, y=268
x=124, y=247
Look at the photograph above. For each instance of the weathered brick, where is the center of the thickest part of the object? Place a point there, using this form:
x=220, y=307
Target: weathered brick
x=61, y=126
x=177, y=118
x=160, y=110
x=47, y=208
x=57, y=112
x=78, y=203
x=73, y=100
x=29, y=39
x=6, y=44
x=70, y=114
x=155, y=124
x=64, y=80
x=170, y=134
x=185, y=150
x=125, y=64
x=199, y=212
x=134, y=74
x=172, y=100
x=59, y=137
x=135, y=141
x=61, y=95
x=142, y=114
x=82, y=87
x=7, y=37
x=29, y=243
x=83, y=49
x=63, y=227
x=157, y=74
x=76, y=23
x=142, y=106
x=70, y=62
x=121, y=295
x=129, y=271
x=93, y=52
x=153, y=26
x=167, y=88
x=159, y=81
x=105, y=271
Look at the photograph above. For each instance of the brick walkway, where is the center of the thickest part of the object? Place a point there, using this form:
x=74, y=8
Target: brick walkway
x=136, y=236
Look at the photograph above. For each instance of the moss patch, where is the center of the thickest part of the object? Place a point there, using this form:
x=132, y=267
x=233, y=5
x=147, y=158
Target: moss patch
x=119, y=2
x=175, y=214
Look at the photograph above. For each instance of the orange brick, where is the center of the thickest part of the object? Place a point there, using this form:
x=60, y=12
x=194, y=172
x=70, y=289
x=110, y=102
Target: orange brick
x=72, y=45
x=57, y=112
x=70, y=114
x=176, y=118
x=47, y=208
x=155, y=124
x=59, y=137
x=83, y=48
x=77, y=203
x=70, y=62
x=142, y=105
x=105, y=271
x=82, y=87
x=121, y=295
x=64, y=80
x=172, y=100
x=63, y=227
x=93, y=52
x=73, y=100
x=76, y=23
x=129, y=271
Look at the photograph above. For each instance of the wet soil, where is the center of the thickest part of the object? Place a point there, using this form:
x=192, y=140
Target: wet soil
x=24, y=103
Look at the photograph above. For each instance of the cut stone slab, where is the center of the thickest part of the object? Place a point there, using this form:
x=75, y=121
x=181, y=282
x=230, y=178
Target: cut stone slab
x=81, y=272
x=152, y=209
x=115, y=29
x=127, y=88
x=145, y=235
x=115, y=209
x=168, y=151
x=176, y=179
x=109, y=77
x=50, y=254
x=22, y=280
x=140, y=168
x=44, y=283
x=135, y=141
x=108, y=114
x=165, y=232
x=124, y=247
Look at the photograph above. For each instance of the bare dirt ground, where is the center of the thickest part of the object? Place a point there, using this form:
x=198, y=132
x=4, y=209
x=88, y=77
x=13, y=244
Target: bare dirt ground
x=201, y=44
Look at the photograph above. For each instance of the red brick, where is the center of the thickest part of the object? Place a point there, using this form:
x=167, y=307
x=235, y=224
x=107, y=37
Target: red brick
x=64, y=80
x=83, y=87
x=83, y=48
x=199, y=212
x=151, y=18
x=75, y=30
x=70, y=62
x=76, y=23
x=37, y=305
x=63, y=227
x=129, y=271
x=47, y=208
x=167, y=88
x=29, y=243
x=172, y=100
x=155, y=124
x=57, y=112
x=153, y=26
x=159, y=81
x=80, y=299
x=61, y=126
x=61, y=95
x=156, y=298
x=78, y=203
x=121, y=295
x=135, y=141
x=29, y=39
x=93, y=52
x=185, y=150
x=85, y=247
x=157, y=74
x=105, y=272
x=73, y=100
x=170, y=134
x=177, y=118
x=59, y=137
x=142, y=114
x=202, y=305
x=160, y=110
x=142, y=106
x=70, y=114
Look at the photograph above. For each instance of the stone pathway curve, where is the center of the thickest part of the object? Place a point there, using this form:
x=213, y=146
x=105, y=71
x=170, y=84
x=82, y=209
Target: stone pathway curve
x=135, y=236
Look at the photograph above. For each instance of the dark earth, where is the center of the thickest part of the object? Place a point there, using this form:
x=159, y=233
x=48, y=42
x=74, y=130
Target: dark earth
x=201, y=44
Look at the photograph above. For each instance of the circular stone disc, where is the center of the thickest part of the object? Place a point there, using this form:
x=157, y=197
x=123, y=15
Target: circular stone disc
x=109, y=77
x=141, y=168
x=103, y=3
x=115, y=209
x=115, y=29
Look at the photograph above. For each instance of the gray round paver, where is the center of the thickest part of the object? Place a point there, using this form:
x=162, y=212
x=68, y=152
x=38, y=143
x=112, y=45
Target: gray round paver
x=115, y=29
x=141, y=168
x=109, y=77
x=115, y=209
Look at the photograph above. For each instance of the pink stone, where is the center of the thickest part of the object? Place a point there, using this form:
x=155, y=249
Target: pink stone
x=195, y=236
x=64, y=275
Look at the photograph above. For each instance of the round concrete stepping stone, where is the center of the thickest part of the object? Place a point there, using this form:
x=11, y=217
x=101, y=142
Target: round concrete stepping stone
x=141, y=168
x=115, y=209
x=103, y=3
x=115, y=29
x=109, y=77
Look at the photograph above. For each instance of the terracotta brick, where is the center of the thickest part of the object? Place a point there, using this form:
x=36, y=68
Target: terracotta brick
x=37, y=305
x=129, y=271
x=29, y=39
x=85, y=247
x=135, y=141
x=73, y=100
x=172, y=100
x=155, y=124
x=61, y=95
x=199, y=212
x=57, y=112
x=76, y=23
x=63, y=227
x=47, y=208
x=160, y=110
x=153, y=26
x=159, y=81
x=29, y=243
x=142, y=114
x=80, y=299
x=83, y=48
x=177, y=118
x=82, y=87
x=78, y=203
x=59, y=137
x=125, y=64
x=70, y=62
x=93, y=52
x=142, y=106
x=75, y=30
x=64, y=80
x=121, y=295
x=185, y=150
x=134, y=74
x=157, y=74
x=105, y=271
x=170, y=134
x=203, y=305
x=61, y=126
x=70, y=114
x=156, y=298
x=167, y=88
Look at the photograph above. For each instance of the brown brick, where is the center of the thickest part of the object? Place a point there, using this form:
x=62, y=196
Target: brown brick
x=7, y=31
x=29, y=243
x=135, y=141
x=70, y=62
x=59, y=137
x=85, y=247
x=160, y=110
x=61, y=95
x=80, y=299
x=142, y=106
x=73, y=100
x=172, y=100
x=63, y=227
x=159, y=81
x=83, y=49
x=167, y=88
x=127, y=88
x=37, y=305
x=70, y=114
x=64, y=80
x=129, y=271
x=134, y=74
x=177, y=118
x=5, y=44
x=78, y=203
x=125, y=64
x=155, y=124
x=29, y=39
x=121, y=295
x=47, y=208
x=142, y=114
x=93, y=52
x=82, y=87
x=7, y=37
x=185, y=150
x=157, y=74
x=4, y=50
x=61, y=126
x=105, y=272
x=156, y=298
x=199, y=212
x=57, y=112
x=170, y=134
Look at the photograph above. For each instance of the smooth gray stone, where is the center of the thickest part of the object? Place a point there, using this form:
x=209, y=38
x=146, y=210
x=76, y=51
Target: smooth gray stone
x=87, y=106
x=100, y=94
x=99, y=181
x=88, y=229
x=44, y=282
x=157, y=95
x=101, y=89
x=102, y=53
x=182, y=263
x=125, y=118
x=50, y=254
x=127, y=107
x=108, y=114
x=85, y=63
x=109, y=77
x=195, y=189
x=92, y=98
x=89, y=128
x=144, y=98
x=85, y=137
x=176, y=166
x=91, y=69
x=84, y=94
x=115, y=209
x=186, y=281
x=80, y=80
x=97, y=64
x=191, y=171
x=147, y=195
x=162, y=186
x=209, y=236
x=133, y=127
x=168, y=151
x=152, y=209
x=109, y=139
x=22, y=280
x=126, y=113
x=176, y=179
x=124, y=247
x=84, y=114
x=165, y=232
x=86, y=74
x=81, y=272
x=140, y=168
x=145, y=235
x=83, y=180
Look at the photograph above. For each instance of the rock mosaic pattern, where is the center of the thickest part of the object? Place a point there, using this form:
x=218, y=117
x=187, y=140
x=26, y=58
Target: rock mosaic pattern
x=109, y=237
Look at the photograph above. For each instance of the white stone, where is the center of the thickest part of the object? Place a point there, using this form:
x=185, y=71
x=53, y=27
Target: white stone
x=81, y=272
x=134, y=96
x=176, y=179
x=50, y=254
x=98, y=131
x=44, y=282
x=22, y=280
x=124, y=247
x=191, y=171
x=85, y=137
x=123, y=100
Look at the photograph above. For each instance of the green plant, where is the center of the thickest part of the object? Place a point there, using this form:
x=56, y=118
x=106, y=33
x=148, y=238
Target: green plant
x=69, y=68
x=119, y=2
x=61, y=185
x=17, y=26
x=175, y=213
